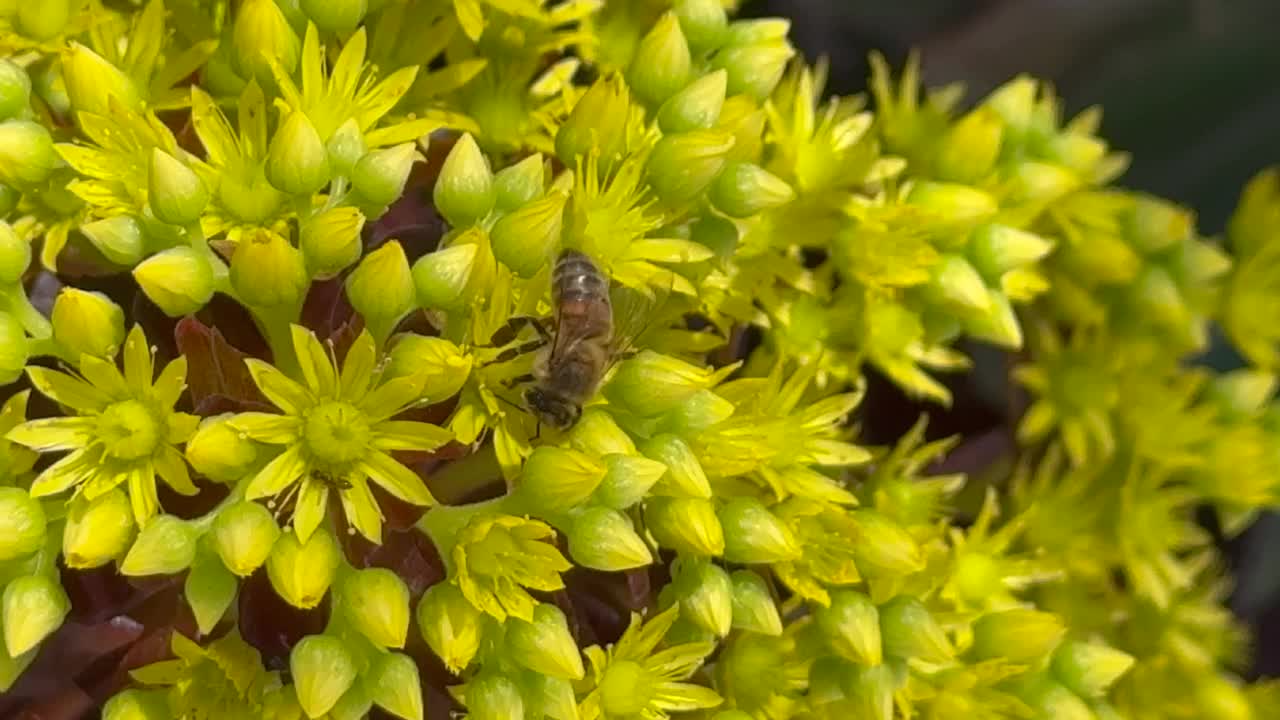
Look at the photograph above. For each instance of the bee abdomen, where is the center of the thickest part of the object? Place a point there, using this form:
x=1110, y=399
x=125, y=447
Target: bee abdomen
x=576, y=278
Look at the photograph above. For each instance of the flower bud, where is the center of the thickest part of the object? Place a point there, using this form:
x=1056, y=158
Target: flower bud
x=699, y=412
x=651, y=384
x=15, y=89
x=44, y=20
x=603, y=539
x=545, y=645
x=118, y=238
x=262, y=34
x=464, y=192
x=1242, y=393
x=1035, y=182
x=250, y=199
x=996, y=249
x=493, y=697
x=706, y=596
x=627, y=480
x=376, y=601
x=165, y=546
x=135, y=704
x=999, y=325
x=1048, y=699
x=243, y=535
x=322, y=670
x=220, y=452
x=26, y=153
x=14, y=349
x=268, y=271
x=441, y=277
x=520, y=183
x=753, y=607
x=345, y=147
x=697, y=106
x=1089, y=669
x=297, y=161
x=1014, y=102
x=394, y=685
x=353, y=705
x=91, y=81
x=330, y=241
x=552, y=697
x=597, y=434
x=176, y=194
x=442, y=365
x=1018, y=635
x=34, y=606
x=1222, y=699
x=957, y=286
x=556, y=479
x=953, y=202
x=744, y=189
x=1158, y=299
x=22, y=523
x=908, y=631
x=1076, y=151
x=969, y=150
x=450, y=624
x=703, y=21
x=97, y=531
x=682, y=166
x=380, y=175
x=9, y=198
x=87, y=323
x=381, y=286
x=598, y=122
x=852, y=626
x=336, y=16
x=686, y=525
x=753, y=534
x=526, y=239
x=756, y=68
x=178, y=280
x=870, y=692
x=1155, y=225
x=661, y=63
x=301, y=574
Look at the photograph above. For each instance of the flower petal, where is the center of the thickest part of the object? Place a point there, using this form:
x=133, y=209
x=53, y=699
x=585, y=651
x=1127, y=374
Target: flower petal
x=68, y=471
x=317, y=366
x=138, y=369
x=172, y=468
x=309, y=511
x=391, y=397
x=278, y=474
x=361, y=509
x=62, y=433
x=67, y=390
x=105, y=376
x=142, y=494
x=358, y=368
x=396, y=478
x=268, y=427
x=182, y=426
x=171, y=383
x=286, y=394
x=409, y=435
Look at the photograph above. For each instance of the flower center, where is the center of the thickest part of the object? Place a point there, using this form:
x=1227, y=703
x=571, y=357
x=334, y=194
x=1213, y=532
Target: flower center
x=128, y=430
x=624, y=689
x=336, y=433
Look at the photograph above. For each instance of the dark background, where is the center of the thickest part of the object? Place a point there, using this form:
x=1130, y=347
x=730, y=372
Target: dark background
x=1188, y=88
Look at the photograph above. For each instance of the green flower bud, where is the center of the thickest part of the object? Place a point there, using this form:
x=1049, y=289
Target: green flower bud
x=686, y=525
x=49, y=85
x=651, y=384
x=34, y=606
x=15, y=89
x=661, y=63
x=753, y=534
x=697, y=106
x=450, y=624
x=704, y=22
x=520, y=183
x=1157, y=297
x=526, y=239
x=1155, y=225
x=545, y=645
x=952, y=202
x=262, y=34
x=267, y=271
x=464, y=192
x=178, y=280
x=44, y=20
x=176, y=194
x=870, y=692
x=597, y=434
x=828, y=676
x=14, y=349
x=376, y=601
x=330, y=241
x=97, y=531
x=243, y=535
x=706, y=596
x=165, y=546
x=250, y=198
x=301, y=574
x=758, y=30
x=336, y=16
x=297, y=161
x=598, y=122
x=627, y=480
x=22, y=523
x=1079, y=152
x=493, y=697
x=603, y=539
x=1048, y=699
x=345, y=147
x=323, y=670
x=556, y=479
x=682, y=166
x=745, y=119
x=908, y=630
x=87, y=323
x=379, y=176
x=9, y=198
x=118, y=238
x=1242, y=393
x=957, y=286
x=744, y=189
x=220, y=452
x=443, y=366
x=999, y=325
x=92, y=81
x=699, y=412
x=852, y=626
x=1089, y=669
x=550, y=696
x=381, y=287
x=753, y=607
x=1035, y=182
x=1014, y=102
x=1019, y=635
x=395, y=686
x=996, y=249
x=138, y=705
x=969, y=151
x=441, y=277
x=26, y=153
x=353, y=705
x=1222, y=699
x=754, y=69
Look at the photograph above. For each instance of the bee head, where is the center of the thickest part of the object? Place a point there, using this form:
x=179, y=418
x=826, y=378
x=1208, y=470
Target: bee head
x=552, y=409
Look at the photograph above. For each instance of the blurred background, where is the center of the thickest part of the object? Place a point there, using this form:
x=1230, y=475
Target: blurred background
x=1189, y=88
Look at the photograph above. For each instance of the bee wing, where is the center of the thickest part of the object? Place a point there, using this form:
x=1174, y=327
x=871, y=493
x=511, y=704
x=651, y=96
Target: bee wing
x=635, y=312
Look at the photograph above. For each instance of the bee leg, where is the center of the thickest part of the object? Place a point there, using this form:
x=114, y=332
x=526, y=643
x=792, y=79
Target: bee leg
x=512, y=328
x=519, y=380
x=515, y=352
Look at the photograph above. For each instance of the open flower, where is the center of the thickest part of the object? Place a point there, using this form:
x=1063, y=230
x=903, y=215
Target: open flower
x=124, y=431
x=337, y=432
x=497, y=556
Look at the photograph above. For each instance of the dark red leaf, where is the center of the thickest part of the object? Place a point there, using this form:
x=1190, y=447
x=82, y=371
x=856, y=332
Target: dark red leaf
x=214, y=367
x=272, y=625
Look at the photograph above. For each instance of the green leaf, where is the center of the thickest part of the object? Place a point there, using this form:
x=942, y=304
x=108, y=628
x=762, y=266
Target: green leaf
x=210, y=587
